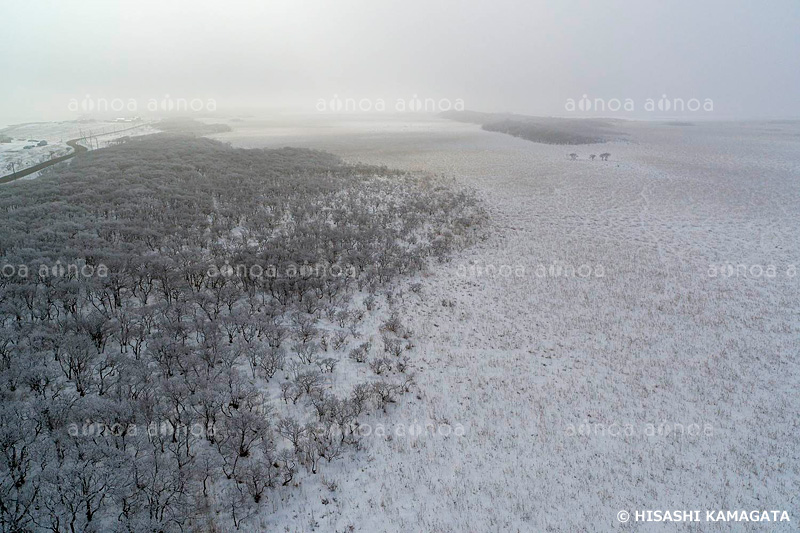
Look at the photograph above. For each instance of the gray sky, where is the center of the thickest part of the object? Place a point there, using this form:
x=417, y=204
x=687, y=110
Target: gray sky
x=525, y=56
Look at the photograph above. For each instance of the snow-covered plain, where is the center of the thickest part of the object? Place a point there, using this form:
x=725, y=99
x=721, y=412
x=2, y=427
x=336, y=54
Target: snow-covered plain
x=57, y=134
x=666, y=378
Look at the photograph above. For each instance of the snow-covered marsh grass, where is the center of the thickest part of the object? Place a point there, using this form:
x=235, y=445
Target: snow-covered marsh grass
x=537, y=369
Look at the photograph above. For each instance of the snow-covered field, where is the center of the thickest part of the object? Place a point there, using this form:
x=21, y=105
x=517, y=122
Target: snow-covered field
x=627, y=337
x=57, y=134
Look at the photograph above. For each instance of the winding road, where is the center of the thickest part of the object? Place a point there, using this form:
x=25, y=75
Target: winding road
x=76, y=149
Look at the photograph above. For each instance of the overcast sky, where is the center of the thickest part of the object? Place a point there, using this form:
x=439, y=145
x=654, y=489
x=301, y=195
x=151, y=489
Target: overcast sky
x=527, y=56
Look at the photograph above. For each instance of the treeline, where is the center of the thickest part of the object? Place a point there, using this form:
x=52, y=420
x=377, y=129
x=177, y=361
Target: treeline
x=175, y=316
x=546, y=130
x=540, y=133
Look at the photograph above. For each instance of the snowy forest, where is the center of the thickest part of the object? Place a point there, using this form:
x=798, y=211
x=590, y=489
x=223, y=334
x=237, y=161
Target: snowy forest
x=184, y=326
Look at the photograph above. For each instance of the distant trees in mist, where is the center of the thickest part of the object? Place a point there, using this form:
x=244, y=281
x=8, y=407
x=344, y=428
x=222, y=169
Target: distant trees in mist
x=603, y=157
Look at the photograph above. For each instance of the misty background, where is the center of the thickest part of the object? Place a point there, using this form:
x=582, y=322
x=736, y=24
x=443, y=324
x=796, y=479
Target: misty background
x=525, y=57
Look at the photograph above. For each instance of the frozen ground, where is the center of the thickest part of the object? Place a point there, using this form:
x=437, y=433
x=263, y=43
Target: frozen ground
x=667, y=382
x=57, y=134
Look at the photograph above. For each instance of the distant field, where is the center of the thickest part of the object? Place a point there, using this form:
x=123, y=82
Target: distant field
x=14, y=156
x=188, y=126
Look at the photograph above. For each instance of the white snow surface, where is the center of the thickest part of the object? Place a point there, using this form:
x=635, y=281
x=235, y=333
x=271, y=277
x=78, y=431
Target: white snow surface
x=579, y=395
